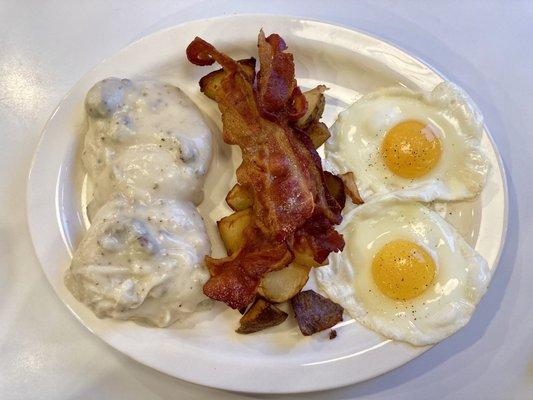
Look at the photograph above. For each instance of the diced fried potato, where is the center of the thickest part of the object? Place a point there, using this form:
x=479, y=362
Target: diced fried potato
x=261, y=315
x=281, y=285
x=239, y=198
x=316, y=102
x=209, y=84
x=231, y=229
x=335, y=186
x=318, y=133
x=315, y=313
x=351, y=188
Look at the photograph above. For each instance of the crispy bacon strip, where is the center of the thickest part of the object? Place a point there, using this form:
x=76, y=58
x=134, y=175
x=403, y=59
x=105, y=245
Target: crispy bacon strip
x=272, y=167
x=234, y=280
x=276, y=84
x=298, y=105
x=320, y=236
x=292, y=206
x=200, y=52
x=324, y=201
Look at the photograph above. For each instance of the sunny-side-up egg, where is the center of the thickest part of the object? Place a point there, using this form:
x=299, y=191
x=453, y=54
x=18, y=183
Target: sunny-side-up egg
x=405, y=272
x=425, y=145
x=144, y=138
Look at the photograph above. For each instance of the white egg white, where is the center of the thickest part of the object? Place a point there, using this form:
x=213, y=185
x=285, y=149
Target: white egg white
x=359, y=131
x=461, y=280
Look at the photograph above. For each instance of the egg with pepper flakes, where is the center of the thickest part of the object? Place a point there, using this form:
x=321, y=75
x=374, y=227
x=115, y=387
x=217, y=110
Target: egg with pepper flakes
x=404, y=272
x=424, y=145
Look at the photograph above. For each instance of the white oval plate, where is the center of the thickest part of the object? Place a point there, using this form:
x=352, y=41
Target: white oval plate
x=279, y=359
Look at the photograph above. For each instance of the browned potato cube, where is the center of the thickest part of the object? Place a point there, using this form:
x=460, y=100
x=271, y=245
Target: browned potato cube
x=318, y=133
x=239, y=198
x=209, y=84
x=283, y=284
x=261, y=315
x=314, y=312
x=335, y=186
x=315, y=106
x=231, y=229
x=351, y=188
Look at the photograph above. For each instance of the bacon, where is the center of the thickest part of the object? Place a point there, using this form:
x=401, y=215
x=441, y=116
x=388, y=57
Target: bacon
x=200, y=52
x=278, y=96
x=234, y=280
x=324, y=201
x=273, y=166
x=318, y=235
x=276, y=83
x=292, y=207
x=298, y=105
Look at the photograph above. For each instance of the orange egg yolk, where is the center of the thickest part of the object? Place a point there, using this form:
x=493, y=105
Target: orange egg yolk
x=411, y=149
x=403, y=270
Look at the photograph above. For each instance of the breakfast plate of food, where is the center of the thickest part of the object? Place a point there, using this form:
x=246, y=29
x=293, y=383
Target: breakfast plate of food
x=268, y=204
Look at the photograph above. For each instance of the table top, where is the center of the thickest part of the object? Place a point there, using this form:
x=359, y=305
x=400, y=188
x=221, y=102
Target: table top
x=45, y=47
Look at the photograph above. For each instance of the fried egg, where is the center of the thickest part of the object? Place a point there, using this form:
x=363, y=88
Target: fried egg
x=424, y=145
x=405, y=272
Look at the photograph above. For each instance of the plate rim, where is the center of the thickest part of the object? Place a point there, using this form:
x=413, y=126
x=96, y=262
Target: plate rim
x=331, y=25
